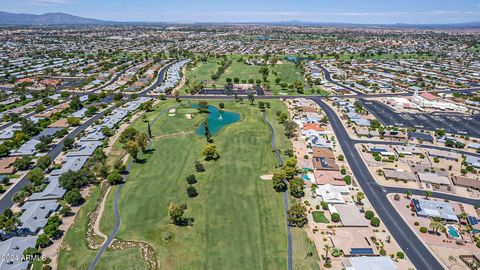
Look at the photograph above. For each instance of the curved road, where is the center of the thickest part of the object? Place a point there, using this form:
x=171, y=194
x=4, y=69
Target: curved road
x=285, y=193
x=418, y=254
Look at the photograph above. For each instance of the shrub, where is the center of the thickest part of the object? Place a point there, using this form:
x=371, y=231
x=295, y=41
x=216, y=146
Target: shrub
x=400, y=255
x=347, y=179
x=114, y=178
x=335, y=217
x=382, y=252
x=478, y=244
x=369, y=214
x=423, y=229
x=416, y=223
x=375, y=222
x=343, y=171
x=324, y=205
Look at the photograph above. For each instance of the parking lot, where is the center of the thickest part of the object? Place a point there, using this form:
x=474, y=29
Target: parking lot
x=451, y=122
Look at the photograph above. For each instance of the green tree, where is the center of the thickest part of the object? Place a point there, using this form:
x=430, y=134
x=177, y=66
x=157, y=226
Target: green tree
x=73, y=197
x=191, y=179
x=132, y=148
x=142, y=141
x=297, y=215
x=44, y=162
x=335, y=217
x=210, y=152
x=297, y=187
x=73, y=121
x=4, y=150
x=51, y=230
x=127, y=135
x=192, y=192
x=68, y=143
x=43, y=240
x=359, y=197
x=251, y=97
x=149, y=130
x=176, y=212
x=375, y=222
x=36, y=176
x=22, y=163
x=114, y=178
x=75, y=103
x=369, y=214
x=278, y=180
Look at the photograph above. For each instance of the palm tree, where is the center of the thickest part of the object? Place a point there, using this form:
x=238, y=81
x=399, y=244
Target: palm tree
x=427, y=194
x=409, y=194
x=313, y=187
x=360, y=196
x=327, y=248
x=436, y=226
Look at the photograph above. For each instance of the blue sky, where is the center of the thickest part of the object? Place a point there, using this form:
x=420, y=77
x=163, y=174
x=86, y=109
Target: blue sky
x=350, y=11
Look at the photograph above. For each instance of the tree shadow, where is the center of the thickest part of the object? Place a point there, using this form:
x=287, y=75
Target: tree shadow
x=141, y=161
x=149, y=151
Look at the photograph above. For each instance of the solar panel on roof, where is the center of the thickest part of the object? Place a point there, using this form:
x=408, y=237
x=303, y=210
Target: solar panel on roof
x=472, y=220
x=361, y=251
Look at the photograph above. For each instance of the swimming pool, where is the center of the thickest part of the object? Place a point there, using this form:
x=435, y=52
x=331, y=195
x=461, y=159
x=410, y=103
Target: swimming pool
x=305, y=177
x=453, y=232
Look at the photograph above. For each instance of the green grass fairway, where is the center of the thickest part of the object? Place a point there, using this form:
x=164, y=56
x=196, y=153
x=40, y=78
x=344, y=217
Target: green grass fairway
x=239, y=219
x=319, y=217
x=301, y=246
x=203, y=71
x=74, y=253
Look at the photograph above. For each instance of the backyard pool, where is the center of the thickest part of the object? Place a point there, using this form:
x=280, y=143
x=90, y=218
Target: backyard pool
x=217, y=119
x=453, y=232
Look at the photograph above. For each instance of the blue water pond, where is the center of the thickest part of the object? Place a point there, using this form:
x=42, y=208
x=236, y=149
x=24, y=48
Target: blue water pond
x=217, y=119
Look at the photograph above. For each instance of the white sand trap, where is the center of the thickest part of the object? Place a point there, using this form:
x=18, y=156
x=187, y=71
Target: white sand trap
x=188, y=116
x=266, y=177
x=171, y=114
x=172, y=110
x=283, y=93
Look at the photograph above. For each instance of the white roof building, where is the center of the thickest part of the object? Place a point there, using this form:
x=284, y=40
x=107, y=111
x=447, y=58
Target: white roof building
x=332, y=194
x=369, y=263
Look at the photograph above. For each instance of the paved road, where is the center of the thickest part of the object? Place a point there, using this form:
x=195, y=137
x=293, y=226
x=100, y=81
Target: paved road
x=159, y=81
x=6, y=201
x=285, y=193
x=328, y=77
x=419, y=145
x=376, y=194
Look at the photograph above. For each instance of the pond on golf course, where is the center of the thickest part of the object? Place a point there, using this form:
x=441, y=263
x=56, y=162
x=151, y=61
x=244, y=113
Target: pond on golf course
x=217, y=119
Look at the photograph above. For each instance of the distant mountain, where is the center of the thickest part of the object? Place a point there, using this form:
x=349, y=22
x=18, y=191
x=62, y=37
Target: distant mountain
x=465, y=25
x=47, y=18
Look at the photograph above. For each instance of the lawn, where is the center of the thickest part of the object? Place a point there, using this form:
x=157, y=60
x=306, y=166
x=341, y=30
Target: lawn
x=239, y=219
x=319, y=217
